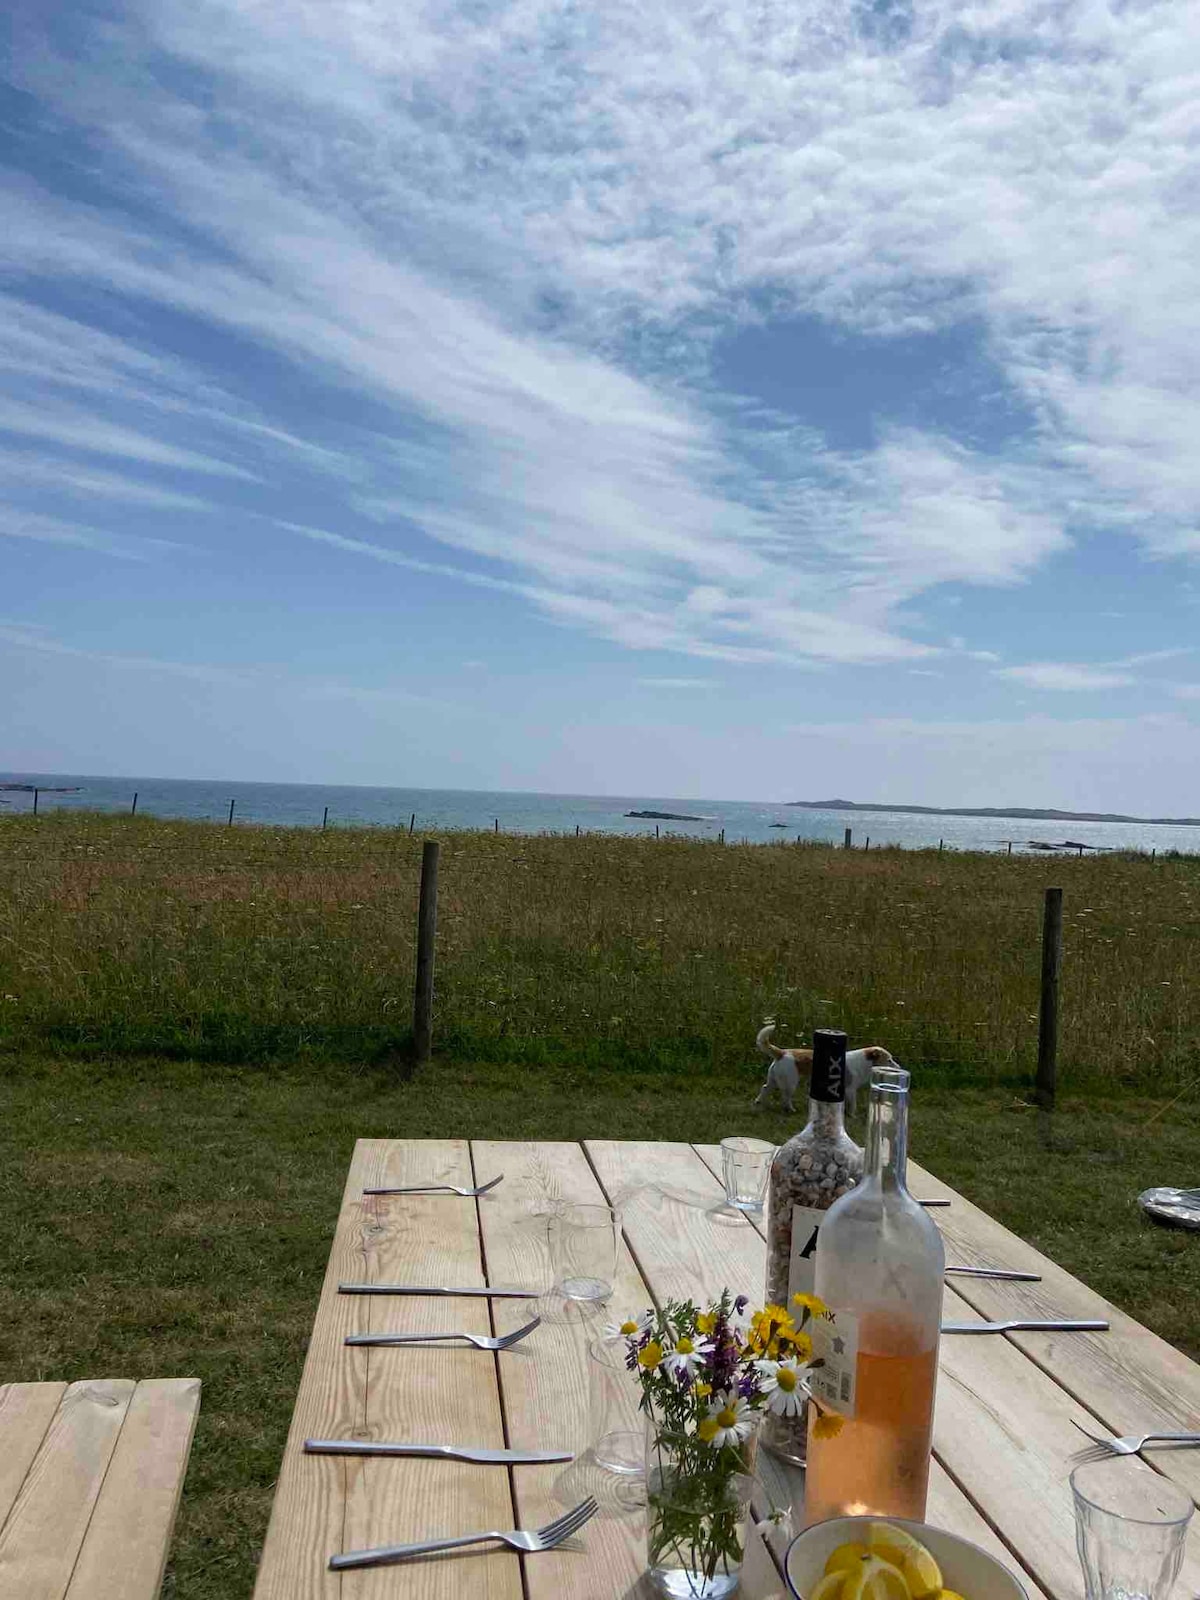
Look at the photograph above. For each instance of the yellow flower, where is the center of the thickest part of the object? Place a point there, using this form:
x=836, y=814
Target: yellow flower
x=828, y=1425
x=802, y=1345
x=705, y=1322
x=811, y=1303
x=651, y=1356
x=703, y=1390
x=707, y=1429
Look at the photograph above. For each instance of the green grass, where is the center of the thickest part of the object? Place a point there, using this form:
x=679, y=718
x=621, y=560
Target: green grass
x=123, y=936
x=174, y=1218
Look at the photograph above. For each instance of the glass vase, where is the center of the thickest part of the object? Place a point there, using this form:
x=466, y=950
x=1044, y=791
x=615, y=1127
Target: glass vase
x=697, y=1499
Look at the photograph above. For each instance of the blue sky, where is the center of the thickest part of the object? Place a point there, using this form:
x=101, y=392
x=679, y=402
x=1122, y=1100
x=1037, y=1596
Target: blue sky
x=753, y=400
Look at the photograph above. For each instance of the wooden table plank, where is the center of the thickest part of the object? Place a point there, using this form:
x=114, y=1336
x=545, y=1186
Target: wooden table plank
x=26, y=1412
x=125, y=1549
x=682, y=1198
x=45, y=1529
x=326, y=1504
x=1130, y=1378
x=546, y=1389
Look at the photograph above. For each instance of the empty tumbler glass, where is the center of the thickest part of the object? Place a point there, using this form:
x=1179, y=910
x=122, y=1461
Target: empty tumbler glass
x=1130, y=1526
x=584, y=1248
x=614, y=1392
x=747, y=1164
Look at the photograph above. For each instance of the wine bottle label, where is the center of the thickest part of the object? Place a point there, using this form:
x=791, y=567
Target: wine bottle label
x=802, y=1267
x=835, y=1345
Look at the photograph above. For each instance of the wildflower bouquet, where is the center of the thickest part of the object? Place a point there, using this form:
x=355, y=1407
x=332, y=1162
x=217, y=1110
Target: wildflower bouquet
x=707, y=1376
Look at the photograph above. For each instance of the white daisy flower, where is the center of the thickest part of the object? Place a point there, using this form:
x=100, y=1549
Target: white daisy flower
x=784, y=1385
x=687, y=1355
x=728, y=1420
x=631, y=1328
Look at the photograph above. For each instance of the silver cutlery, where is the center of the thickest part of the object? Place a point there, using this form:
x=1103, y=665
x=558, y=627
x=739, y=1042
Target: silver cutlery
x=1026, y=1325
x=417, y=1288
x=996, y=1272
x=547, y=1538
x=438, y=1188
x=479, y=1340
x=1131, y=1444
x=449, y=1452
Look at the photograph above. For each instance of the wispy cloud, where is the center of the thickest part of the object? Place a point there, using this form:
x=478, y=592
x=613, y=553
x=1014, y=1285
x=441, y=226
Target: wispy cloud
x=679, y=683
x=41, y=529
x=1066, y=676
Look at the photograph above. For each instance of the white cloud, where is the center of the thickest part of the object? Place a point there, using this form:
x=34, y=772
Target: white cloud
x=1066, y=676
x=393, y=197
x=679, y=683
x=15, y=524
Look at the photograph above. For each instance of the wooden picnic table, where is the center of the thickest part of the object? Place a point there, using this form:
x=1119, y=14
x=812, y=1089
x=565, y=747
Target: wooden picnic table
x=90, y=1477
x=1004, y=1430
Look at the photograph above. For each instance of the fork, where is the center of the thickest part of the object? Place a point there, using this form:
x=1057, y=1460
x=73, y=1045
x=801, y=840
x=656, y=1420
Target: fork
x=1130, y=1445
x=438, y=1188
x=479, y=1340
x=547, y=1538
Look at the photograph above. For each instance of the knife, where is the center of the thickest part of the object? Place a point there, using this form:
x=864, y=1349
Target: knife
x=997, y=1272
x=451, y=1452
x=933, y=1202
x=415, y=1288
x=1021, y=1325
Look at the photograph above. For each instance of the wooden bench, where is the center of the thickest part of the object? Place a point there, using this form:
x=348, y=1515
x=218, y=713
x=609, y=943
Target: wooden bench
x=90, y=1478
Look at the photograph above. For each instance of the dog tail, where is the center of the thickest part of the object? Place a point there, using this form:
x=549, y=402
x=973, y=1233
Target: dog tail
x=764, y=1043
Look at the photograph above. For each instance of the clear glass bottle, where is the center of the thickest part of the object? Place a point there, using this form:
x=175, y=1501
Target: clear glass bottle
x=880, y=1270
x=812, y=1170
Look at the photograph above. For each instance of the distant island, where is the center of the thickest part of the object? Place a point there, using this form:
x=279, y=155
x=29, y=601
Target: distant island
x=669, y=816
x=1022, y=813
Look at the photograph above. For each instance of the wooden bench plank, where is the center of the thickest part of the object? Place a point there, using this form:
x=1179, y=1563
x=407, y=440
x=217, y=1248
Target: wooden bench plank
x=682, y=1195
x=42, y=1536
x=1130, y=1378
x=26, y=1412
x=125, y=1549
x=446, y=1396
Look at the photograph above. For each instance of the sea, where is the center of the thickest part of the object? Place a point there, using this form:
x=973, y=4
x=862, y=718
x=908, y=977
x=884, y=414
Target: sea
x=302, y=805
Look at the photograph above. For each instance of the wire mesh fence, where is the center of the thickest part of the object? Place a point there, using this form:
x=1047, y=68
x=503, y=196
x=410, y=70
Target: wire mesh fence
x=137, y=936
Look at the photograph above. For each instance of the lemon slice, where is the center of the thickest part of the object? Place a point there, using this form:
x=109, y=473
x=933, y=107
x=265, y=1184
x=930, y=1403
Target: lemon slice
x=846, y=1557
x=830, y=1586
x=921, y=1573
x=875, y=1580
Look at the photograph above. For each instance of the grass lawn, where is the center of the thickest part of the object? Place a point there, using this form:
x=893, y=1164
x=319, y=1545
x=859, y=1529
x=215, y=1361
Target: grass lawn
x=165, y=1217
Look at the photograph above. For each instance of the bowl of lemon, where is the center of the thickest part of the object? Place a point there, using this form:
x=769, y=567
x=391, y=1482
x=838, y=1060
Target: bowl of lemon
x=867, y=1558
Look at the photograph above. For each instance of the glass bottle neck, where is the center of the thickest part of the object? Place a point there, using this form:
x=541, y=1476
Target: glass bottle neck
x=826, y=1119
x=887, y=1128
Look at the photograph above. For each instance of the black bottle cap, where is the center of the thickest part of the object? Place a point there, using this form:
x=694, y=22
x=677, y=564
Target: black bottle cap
x=828, y=1065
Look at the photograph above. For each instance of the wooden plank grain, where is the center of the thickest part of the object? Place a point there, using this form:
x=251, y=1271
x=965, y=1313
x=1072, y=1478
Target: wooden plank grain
x=43, y=1533
x=1128, y=1377
x=442, y=1395
x=545, y=1381
x=125, y=1549
x=26, y=1412
x=308, y=1514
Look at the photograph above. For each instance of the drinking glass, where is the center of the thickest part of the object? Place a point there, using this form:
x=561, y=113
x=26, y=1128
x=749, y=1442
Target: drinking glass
x=614, y=1392
x=584, y=1246
x=747, y=1165
x=1130, y=1526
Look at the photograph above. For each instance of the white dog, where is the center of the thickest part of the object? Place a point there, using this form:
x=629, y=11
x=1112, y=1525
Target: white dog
x=784, y=1071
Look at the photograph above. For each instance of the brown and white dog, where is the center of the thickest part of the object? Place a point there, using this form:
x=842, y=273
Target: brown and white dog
x=786, y=1066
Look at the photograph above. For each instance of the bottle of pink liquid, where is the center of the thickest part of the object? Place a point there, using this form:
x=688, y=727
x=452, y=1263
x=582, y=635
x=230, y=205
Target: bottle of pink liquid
x=880, y=1270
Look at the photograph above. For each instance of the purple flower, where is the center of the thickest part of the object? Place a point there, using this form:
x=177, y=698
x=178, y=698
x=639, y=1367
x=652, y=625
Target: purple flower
x=740, y=1304
x=747, y=1385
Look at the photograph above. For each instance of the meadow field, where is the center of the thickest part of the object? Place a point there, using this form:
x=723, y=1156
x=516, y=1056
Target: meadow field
x=197, y=1022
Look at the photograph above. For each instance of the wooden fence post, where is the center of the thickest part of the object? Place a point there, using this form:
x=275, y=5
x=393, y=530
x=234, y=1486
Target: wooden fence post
x=867, y=846
x=941, y=845
x=846, y=841
x=232, y=803
x=325, y=820
x=36, y=792
x=426, y=939
x=412, y=822
x=133, y=807
x=1047, y=1062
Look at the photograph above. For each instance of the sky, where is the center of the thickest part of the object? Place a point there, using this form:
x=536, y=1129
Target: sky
x=767, y=399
